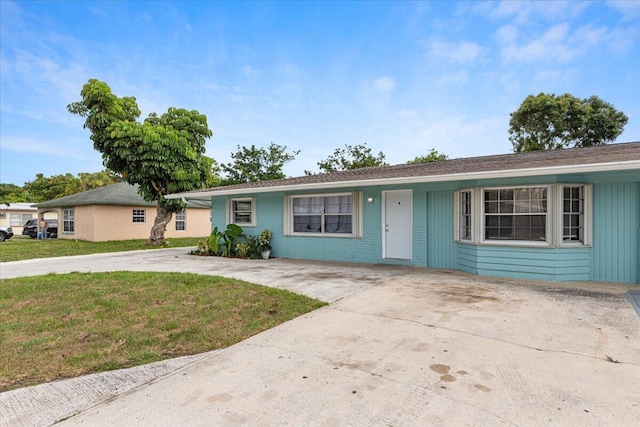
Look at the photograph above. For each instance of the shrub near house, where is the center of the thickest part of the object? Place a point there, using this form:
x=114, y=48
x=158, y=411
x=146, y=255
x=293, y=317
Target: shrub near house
x=233, y=243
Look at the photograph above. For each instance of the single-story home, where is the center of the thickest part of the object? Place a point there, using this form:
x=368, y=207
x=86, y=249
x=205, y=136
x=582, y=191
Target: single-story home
x=559, y=215
x=118, y=212
x=15, y=215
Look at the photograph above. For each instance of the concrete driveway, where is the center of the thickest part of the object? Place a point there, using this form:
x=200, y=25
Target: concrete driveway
x=398, y=346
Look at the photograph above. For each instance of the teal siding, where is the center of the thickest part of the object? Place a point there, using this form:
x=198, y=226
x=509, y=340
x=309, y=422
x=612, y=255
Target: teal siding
x=467, y=258
x=556, y=264
x=616, y=224
x=441, y=247
x=613, y=256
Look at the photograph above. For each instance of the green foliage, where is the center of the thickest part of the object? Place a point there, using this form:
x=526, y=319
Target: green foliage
x=233, y=243
x=220, y=243
x=265, y=240
x=547, y=121
x=48, y=188
x=351, y=157
x=433, y=156
x=251, y=164
x=164, y=154
x=249, y=248
x=230, y=239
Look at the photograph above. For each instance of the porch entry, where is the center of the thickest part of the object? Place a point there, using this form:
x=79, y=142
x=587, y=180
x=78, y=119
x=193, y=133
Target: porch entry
x=397, y=224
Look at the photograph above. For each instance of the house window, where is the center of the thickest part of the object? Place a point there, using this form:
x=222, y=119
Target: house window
x=552, y=215
x=326, y=214
x=138, y=215
x=3, y=215
x=242, y=212
x=68, y=220
x=18, y=219
x=181, y=221
x=465, y=215
x=515, y=214
x=573, y=216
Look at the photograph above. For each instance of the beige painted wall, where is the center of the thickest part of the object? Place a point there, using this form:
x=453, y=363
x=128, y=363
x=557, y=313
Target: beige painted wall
x=99, y=223
x=6, y=221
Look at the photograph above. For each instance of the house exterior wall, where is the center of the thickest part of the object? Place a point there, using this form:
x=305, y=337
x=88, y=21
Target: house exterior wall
x=99, y=223
x=24, y=215
x=612, y=256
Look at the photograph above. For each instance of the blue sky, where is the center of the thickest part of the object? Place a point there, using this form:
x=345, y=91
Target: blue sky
x=403, y=77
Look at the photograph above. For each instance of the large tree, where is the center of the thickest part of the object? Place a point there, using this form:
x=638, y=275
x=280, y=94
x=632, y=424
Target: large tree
x=433, y=156
x=351, y=157
x=163, y=154
x=547, y=121
x=251, y=164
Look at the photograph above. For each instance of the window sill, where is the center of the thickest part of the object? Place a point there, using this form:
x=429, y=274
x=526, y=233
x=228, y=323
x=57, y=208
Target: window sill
x=324, y=235
x=524, y=244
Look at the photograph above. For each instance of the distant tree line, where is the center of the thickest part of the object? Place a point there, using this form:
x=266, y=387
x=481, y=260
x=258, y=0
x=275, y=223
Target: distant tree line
x=47, y=188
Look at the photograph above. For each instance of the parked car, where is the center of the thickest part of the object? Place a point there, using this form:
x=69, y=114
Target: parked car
x=31, y=228
x=5, y=233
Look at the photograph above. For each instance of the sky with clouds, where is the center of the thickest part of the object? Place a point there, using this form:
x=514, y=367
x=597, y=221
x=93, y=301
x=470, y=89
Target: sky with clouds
x=402, y=77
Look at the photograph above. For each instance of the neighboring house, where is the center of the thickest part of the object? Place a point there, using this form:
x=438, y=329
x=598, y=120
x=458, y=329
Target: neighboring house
x=118, y=212
x=571, y=214
x=15, y=215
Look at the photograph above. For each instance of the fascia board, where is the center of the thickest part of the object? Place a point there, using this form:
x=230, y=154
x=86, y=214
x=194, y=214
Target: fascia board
x=512, y=173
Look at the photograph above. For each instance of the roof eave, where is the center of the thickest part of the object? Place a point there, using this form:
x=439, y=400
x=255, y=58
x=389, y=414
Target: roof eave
x=511, y=173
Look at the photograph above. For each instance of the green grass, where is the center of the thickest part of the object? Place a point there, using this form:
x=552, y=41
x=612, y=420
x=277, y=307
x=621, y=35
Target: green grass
x=18, y=248
x=60, y=326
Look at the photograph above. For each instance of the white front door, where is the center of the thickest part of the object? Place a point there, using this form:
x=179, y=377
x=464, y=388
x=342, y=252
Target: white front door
x=397, y=224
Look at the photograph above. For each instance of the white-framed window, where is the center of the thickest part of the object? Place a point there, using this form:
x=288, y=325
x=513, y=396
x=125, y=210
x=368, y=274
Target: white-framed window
x=138, y=215
x=335, y=215
x=181, y=221
x=575, y=211
x=551, y=215
x=68, y=220
x=19, y=219
x=242, y=211
x=3, y=215
x=518, y=213
x=464, y=217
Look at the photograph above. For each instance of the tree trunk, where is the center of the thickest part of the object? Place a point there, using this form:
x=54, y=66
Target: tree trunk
x=163, y=216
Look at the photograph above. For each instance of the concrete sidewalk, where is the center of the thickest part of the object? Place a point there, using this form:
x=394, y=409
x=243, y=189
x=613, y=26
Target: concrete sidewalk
x=398, y=346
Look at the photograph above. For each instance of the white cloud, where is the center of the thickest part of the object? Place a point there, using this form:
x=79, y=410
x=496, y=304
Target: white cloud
x=385, y=84
x=629, y=9
x=557, y=44
x=620, y=40
x=520, y=12
x=462, y=52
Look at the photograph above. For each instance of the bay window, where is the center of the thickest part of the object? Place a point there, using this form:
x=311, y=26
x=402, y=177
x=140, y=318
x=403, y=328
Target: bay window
x=552, y=215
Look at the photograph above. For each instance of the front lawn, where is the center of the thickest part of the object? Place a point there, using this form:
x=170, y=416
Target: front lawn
x=18, y=248
x=59, y=326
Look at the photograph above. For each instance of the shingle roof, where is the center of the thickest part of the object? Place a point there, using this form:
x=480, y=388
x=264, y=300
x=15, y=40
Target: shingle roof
x=613, y=153
x=121, y=193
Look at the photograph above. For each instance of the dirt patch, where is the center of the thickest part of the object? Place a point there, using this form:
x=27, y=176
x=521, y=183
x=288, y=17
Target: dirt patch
x=440, y=369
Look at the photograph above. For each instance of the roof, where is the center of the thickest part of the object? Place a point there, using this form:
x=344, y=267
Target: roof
x=121, y=194
x=17, y=206
x=625, y=156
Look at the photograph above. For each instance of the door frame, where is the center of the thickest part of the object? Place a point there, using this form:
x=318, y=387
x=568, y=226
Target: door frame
x=383, y=223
